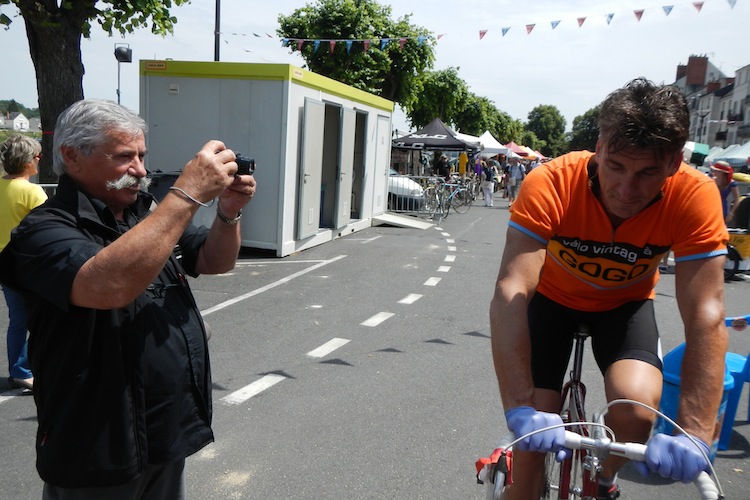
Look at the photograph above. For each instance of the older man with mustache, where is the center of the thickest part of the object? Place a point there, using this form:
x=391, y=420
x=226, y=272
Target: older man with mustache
x=117, y=344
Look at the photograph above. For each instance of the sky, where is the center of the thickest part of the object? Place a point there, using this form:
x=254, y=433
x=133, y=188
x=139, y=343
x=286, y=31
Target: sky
x=572, y=66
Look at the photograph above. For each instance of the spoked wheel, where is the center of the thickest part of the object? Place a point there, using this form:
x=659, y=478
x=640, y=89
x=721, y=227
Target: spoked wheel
x=732, y=263
x=461, y=201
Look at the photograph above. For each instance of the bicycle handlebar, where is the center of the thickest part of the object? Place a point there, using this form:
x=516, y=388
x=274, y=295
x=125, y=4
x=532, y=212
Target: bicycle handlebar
x=635, y=451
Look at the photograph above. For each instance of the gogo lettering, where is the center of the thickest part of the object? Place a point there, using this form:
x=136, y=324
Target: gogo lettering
x=597, y=270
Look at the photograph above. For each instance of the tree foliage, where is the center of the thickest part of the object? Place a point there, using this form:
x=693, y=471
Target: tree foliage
x=12, y=106
x=548, y=124
x=585, y=131
x=392, y=71
x=54, y=30
x=444, y=95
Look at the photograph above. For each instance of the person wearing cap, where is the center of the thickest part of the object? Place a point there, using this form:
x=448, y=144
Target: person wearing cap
x=722, y=173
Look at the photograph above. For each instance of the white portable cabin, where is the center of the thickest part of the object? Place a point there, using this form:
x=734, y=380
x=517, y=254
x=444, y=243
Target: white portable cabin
x=322, y=148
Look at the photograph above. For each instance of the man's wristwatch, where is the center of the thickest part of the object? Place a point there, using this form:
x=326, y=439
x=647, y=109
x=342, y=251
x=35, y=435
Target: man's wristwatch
x=226, y=220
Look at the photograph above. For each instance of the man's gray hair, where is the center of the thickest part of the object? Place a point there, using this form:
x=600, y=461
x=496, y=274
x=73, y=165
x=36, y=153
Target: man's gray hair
x=86, y=124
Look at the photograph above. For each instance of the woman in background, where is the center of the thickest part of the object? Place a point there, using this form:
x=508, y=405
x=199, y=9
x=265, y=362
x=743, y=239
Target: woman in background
x=19, y=156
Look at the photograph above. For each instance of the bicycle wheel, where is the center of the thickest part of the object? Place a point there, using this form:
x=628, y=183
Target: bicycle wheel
x=430, y=200
x=497, y=491
x=732, y=264
x=461, y=201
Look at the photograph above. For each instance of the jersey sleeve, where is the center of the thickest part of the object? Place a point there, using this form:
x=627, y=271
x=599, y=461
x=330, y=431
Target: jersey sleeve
x=544, y=195
x=700, y=231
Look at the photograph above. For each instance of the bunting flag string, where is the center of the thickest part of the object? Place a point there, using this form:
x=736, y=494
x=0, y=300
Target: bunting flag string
x=383, y=42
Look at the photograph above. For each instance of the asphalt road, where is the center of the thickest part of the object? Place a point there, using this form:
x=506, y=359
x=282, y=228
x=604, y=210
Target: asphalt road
x=361, y=369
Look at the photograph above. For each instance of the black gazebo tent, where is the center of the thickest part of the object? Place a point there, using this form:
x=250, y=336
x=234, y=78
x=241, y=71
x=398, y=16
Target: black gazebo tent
x=435, y=137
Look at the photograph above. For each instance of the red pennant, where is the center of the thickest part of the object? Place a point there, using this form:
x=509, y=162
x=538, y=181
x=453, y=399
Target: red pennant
x=580, y=21
x=529, y=27
x=698, y=6
x=401, y=43
x=367, y=44
x=332, y=43
x=638, y=14
x=440, y=36
x=482, y=33
x=300, y=43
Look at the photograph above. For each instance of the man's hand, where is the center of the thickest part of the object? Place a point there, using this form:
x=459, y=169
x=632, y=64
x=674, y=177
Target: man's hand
x=523, y=420
x=675, y=457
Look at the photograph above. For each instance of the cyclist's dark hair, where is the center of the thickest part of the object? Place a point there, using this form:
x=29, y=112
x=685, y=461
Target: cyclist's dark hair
x=642, y=115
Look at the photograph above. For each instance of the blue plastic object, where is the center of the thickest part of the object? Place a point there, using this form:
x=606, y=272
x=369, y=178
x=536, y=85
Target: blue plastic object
x=670, y=397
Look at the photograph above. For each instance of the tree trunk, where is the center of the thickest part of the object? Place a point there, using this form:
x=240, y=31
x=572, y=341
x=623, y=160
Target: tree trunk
x=54, y=38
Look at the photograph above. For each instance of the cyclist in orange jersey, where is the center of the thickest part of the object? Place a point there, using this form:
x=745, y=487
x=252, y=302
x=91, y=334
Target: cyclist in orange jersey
x=584, y=243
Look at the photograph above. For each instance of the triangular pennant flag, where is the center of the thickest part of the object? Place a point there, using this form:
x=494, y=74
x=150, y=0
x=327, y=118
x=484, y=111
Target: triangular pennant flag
x=554, y=24
x=384, y=42
x=332, y=43
x=300, y=43
x=366, y=44
x=732, y=2
x=349, y=46
x=698, y=6
x=284, y=42
x=269, y=35
x=482, y=33
x=441, y=36
x=420, y=40
x=638, y=13
x=316, y=44
x=609, y=18
x=505, y=30
x=257, y=35
x=667, y=9
x=580, y=21
x=401, y=43
x=529, y=27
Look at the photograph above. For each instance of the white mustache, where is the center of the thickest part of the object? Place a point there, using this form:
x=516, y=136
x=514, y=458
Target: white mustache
x=127, y=181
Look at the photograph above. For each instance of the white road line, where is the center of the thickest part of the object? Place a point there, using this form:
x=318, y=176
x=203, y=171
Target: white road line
x=7, y=396
x=444, y=269
x=450, y=258
x=432, y=281
x=451, y=249
x=262, y=289
x=446, y=234
x=450, y=241
x=250, y=390
x=327, y=348
x=410, y=299
x=377, y=319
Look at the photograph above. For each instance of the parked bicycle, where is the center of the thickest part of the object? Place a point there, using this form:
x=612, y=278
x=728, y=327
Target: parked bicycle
x=576, y=477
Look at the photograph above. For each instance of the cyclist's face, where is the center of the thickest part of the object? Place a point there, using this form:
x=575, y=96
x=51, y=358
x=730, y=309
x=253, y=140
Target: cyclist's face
x=631, y=179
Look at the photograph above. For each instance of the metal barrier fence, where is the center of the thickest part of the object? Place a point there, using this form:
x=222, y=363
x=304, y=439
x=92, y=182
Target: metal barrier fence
x=425, y=195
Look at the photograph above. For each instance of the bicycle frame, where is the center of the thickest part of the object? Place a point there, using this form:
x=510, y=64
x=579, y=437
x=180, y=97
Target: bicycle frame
x=572, y=409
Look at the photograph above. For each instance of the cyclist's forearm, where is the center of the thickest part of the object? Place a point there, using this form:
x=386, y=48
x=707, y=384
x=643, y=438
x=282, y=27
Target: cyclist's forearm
x=511, y=354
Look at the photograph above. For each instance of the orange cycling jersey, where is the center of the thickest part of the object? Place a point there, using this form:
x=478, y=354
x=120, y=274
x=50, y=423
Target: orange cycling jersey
x=590, y=265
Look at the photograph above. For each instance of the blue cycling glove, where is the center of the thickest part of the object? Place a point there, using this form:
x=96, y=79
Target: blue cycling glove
x=674, y=457
x=523, y=420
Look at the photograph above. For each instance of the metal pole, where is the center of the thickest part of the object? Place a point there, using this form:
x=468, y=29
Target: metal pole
x=118, y=82
x=217, y=30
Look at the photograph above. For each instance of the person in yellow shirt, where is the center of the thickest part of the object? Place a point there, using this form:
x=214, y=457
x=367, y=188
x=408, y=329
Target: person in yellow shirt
x=20, y=157
x=463, y=160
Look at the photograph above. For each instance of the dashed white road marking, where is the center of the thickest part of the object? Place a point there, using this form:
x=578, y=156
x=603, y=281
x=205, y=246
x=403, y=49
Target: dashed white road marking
x=269, y=286
x=327, y=348
x=451, y=249
x=446, y=234
x=410, y=299
x=253, y=389
x=450, y=258
x=450, y=241
x=444, y=269
x=432, y=281
x=377, y=319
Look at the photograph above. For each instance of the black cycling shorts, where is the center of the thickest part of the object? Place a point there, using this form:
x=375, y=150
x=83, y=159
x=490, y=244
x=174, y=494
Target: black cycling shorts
x=626, y=332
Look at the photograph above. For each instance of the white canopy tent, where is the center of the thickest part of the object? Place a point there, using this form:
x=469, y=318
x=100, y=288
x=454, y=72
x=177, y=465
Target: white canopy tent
x=737, y=157
x=471, y=139
x=491, y=146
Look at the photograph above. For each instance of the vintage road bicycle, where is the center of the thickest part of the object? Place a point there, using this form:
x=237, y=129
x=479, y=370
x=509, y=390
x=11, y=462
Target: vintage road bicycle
x=577, y=477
